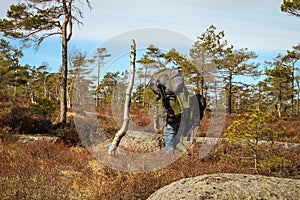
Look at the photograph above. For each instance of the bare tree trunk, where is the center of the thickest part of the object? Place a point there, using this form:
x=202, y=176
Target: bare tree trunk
x=255, y=163
x=117, y=139
x=298, y=89
x=98, y=83
x=69, y=94
x=66, y=34
x=63, y=86
x=278, y=108
x=293, y=86
x=230, y=94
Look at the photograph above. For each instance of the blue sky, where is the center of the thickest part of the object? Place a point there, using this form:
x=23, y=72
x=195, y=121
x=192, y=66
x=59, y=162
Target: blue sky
x=258, y=25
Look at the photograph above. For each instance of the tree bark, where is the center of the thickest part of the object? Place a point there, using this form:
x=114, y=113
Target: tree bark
x=63, y=85
x=121, y=133
x=230, y=94
x=293, y=86
x=298, y=98
x=66, y=34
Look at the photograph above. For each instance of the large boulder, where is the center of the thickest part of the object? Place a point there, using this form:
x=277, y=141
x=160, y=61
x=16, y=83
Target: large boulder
x=230, y=186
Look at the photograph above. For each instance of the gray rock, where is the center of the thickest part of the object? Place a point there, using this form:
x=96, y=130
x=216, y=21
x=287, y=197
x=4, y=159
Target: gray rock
x=32, y=138
x=142, y=141
x=230, y=186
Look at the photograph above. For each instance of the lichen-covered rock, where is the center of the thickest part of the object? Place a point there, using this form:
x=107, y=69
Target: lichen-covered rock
x=230, y=186
x=142, y=141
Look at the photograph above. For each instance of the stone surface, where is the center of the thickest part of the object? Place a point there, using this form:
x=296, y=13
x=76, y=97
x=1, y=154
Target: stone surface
x=230, y=186
x=31, y=138
x=142, y=141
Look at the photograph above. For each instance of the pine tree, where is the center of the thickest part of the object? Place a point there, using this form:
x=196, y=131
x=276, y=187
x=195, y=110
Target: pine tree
x=291, y=7
x=204, y=57
x=236, y=63
x=290, y=60
x=278, y=84
x=34, y=21
x=99, y=57
x=12, y=74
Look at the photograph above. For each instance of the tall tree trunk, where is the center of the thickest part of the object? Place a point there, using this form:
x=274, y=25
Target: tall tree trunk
x=98, y=83
x=298, y=96
x=201, y=74
x=64, y=71
x=145, y=87
x=117, y=139
x=293, y=86
x=66, y=34
x=230, y=93
x=69, y=93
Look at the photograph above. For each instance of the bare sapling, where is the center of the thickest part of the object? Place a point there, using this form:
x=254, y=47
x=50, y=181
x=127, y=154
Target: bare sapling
x=121, y=133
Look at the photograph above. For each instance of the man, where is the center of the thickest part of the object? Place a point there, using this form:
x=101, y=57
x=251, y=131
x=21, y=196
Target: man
x=171, y=111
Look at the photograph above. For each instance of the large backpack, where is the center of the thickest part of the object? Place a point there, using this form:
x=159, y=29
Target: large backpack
x=193, y=114
x=190, y=107
x=171, y=79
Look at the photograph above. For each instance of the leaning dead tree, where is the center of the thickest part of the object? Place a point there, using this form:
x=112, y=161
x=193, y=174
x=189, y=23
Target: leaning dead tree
x=117, y=139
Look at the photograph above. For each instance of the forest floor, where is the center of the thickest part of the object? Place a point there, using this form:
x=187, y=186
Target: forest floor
x=48, y=168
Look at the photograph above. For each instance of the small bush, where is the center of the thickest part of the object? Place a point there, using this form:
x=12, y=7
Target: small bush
x=67, y=133
x=250, y=130
x=43, y=108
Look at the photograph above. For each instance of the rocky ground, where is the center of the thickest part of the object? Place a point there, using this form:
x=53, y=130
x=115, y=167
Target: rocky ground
x=230, y=186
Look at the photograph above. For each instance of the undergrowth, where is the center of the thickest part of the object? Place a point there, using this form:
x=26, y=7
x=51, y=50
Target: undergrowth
x=44, y=170
x=66, y=170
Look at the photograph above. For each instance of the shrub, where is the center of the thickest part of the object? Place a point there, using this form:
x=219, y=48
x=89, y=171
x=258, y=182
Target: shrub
x=43, y=108
x=251, y=130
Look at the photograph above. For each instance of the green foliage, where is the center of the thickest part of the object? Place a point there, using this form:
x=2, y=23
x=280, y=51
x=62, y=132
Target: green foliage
x=277, y=86
x=153, y=56
x=291, y=7
x=106, y=89
x=99, y=57
x=26, y=21
x=275, y=163
x=33, y=22
x=78, y=83
x=212, y=51
x=12, y=74
x=203, y=58
x=211, y=41
x=236, y=63
x=251, y=130
x=43, y=107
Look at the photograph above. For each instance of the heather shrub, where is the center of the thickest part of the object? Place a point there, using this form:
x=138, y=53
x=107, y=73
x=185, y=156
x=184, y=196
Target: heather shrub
x=67, y=133
x=36, y=170
x=18, y=117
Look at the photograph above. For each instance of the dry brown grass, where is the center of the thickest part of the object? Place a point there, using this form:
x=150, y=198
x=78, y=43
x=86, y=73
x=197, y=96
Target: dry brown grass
x=43, y=170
